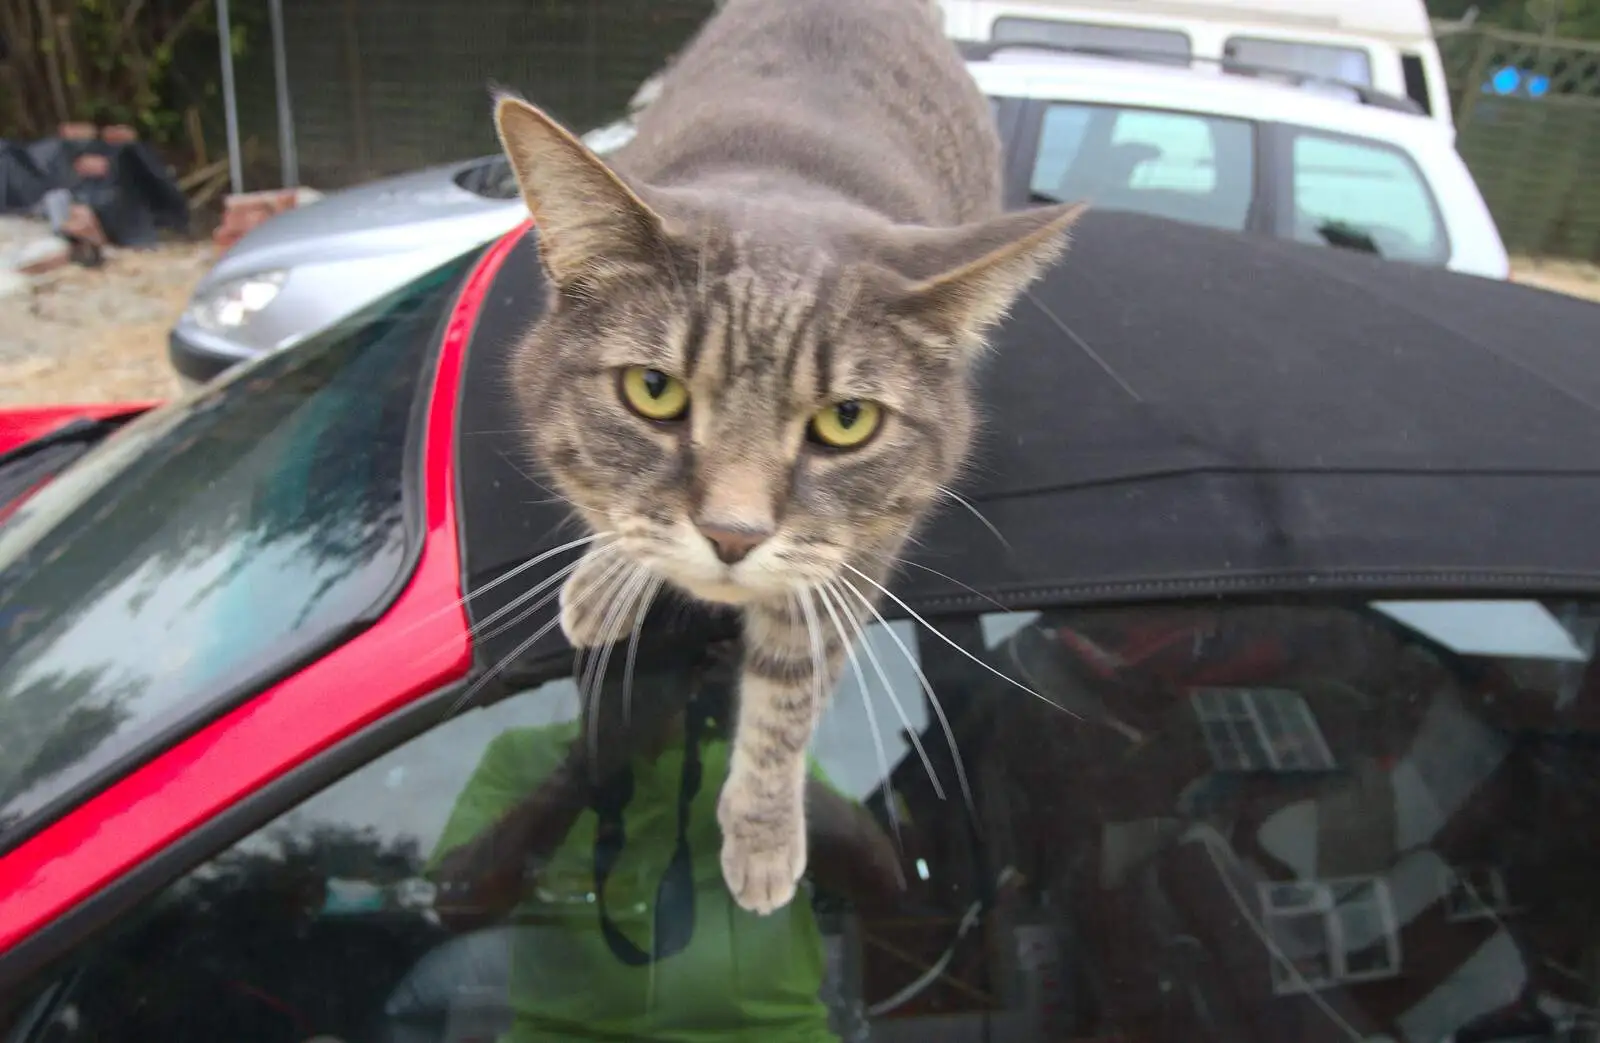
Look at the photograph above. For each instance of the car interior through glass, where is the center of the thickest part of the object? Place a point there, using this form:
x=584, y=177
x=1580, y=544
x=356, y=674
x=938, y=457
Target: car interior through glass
x=1312, y=820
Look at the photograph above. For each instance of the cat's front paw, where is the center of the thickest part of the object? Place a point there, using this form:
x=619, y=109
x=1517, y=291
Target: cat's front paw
x=591, y=614
x=763, y=850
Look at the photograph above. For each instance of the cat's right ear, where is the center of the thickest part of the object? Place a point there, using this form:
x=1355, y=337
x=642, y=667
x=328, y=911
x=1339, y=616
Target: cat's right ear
x=592, y=226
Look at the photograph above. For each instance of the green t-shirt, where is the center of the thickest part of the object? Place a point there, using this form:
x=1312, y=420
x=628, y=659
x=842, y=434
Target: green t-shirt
x=742, y=976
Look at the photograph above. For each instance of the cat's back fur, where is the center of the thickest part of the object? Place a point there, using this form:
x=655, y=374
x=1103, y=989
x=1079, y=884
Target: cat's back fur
x=855, y=103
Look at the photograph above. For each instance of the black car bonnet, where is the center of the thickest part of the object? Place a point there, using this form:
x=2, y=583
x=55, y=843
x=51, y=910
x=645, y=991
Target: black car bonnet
x=1175, y=411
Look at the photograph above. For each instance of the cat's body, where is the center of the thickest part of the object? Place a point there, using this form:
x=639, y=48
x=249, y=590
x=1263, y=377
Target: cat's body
x=858, y=109
x=754, y=371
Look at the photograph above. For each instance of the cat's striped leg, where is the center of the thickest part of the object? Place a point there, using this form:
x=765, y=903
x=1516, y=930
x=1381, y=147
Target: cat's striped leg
x=791, y=661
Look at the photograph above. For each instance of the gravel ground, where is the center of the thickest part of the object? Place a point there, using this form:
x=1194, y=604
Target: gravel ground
x=84, y=335
x=1580, y=280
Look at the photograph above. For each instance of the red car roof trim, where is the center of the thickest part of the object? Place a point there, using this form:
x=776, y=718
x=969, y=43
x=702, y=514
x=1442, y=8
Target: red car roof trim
x=20, y=425
x=419, y=645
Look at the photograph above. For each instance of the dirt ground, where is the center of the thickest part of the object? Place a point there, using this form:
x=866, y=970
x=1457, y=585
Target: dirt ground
x=84, y=335
x=1580, y=280
x=87, y=335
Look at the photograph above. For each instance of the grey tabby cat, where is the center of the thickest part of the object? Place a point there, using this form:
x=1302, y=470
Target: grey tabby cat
x=753, y=373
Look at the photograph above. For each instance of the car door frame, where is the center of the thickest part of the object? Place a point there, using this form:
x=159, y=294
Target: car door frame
x=55, y=942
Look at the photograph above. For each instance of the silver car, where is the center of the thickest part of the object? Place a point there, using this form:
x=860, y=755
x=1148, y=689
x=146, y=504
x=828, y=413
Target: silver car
x=305, y=269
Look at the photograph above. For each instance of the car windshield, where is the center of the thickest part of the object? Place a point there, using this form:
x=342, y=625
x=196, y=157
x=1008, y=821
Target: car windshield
x=1310, y=820
x=1180, y=165
x=196, y=553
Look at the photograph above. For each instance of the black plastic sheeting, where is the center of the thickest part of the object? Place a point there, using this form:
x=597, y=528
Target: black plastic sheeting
x=137, y=196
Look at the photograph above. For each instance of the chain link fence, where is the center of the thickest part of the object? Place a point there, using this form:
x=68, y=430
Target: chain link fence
x=382, y=86
x=1528, y=126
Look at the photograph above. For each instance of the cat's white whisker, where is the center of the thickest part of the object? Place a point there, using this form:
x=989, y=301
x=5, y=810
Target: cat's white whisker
x=912, y=735
x=625, y=573
x=521, y=599
x=987, y=524
x=942, y=575
x=480, y=635
x=819, y=658
x=593, y=688
x=511, y=656
x=927, y=688
x=850, y=637
x=616, y=618
x=645, y=601
x=941, y=636
x=505, y=577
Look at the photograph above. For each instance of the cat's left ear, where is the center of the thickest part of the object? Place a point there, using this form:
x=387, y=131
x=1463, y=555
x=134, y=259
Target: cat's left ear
x=592, y=225
x=965, y=279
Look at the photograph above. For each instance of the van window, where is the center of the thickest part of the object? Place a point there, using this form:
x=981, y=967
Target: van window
x=1153, y=42
x=1346, y=64
x=1178, y=165
x=1416, y=75
x=1346, y=187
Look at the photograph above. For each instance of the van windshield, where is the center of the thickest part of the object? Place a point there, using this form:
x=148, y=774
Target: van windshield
x=1090, y=37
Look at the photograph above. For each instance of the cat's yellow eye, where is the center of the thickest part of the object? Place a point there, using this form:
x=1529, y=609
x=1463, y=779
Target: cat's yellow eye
x=654, y=395
x=845, y=425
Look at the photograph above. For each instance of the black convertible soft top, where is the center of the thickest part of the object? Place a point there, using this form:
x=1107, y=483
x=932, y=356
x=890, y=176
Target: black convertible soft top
x=1180, y=412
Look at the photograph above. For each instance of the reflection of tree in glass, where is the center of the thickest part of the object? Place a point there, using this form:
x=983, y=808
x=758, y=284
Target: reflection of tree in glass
x=338, y=419
x=52, y=722
x=329, y=489
x=300, y=466
x=243, y=950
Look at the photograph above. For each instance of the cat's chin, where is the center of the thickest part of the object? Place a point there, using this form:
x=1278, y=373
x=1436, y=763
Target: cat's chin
x=723, y=593
x=729, y=588
x=726, y=589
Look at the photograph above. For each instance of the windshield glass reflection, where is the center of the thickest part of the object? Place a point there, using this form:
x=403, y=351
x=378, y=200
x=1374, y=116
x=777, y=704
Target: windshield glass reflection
x=1226, y=823
x=253, y=522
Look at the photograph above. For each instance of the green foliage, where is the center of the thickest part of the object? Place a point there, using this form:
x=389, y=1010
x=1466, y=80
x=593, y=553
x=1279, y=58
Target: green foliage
x=107, y=62
x=1569, y=18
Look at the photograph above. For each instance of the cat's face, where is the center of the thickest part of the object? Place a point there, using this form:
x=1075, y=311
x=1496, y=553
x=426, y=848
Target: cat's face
x=749, y=408
x=744, y=436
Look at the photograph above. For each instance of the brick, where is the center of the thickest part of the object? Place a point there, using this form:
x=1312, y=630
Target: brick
x=91, y=165
x=274, y=200
x=243, y=212
x=240, y=220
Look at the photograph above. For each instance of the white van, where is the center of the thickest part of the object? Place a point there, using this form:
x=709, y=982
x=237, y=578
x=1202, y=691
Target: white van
x=1387, y=45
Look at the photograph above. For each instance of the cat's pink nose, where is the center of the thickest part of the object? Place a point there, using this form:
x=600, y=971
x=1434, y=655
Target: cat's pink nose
x=733, y=542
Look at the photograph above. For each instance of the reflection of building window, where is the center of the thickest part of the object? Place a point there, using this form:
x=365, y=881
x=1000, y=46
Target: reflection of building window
x=1477, y=893
x=1262, y=729
x=1330, y=932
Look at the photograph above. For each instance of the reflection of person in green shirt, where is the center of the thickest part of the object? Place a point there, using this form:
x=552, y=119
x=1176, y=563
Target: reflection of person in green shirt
x=624, y=927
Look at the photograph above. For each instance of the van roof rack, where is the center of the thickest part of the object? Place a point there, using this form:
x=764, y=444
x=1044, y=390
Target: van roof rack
x=982, y=50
